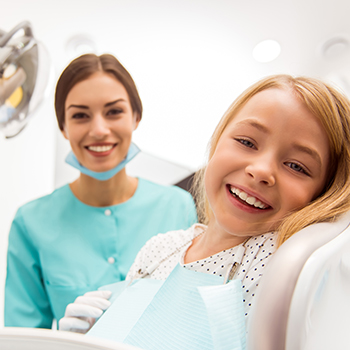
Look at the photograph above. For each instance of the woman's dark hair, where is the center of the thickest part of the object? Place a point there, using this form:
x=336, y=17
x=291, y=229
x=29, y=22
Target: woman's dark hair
x=82, y=68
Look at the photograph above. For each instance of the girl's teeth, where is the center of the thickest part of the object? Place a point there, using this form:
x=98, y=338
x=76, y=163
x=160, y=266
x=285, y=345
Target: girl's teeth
x=243, y=195
x=250, y=200
x=257, y=204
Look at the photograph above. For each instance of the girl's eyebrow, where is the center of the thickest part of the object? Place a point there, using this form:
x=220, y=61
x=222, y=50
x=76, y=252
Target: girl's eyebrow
x=106, y=105
x=311, y=152
x=255, y=124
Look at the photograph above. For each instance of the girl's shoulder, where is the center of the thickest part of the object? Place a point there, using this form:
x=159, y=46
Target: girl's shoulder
x=260, y=248
x=263, y=239
x=173, y=239
x=163, y=246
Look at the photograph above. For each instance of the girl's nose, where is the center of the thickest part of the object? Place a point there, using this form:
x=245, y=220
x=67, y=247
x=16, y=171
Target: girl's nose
x=262, y=171
x=99, y=127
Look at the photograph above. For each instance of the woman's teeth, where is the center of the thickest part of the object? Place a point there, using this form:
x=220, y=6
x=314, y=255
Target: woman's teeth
x=248, y=199
x=100, y=148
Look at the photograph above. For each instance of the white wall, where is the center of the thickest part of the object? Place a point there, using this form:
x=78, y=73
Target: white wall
x=189, y=59
x=26, y=172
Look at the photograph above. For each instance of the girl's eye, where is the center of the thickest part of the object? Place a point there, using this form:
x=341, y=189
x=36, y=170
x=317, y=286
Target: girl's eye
x=79, y=116
x=297, y=167
x=246, y=143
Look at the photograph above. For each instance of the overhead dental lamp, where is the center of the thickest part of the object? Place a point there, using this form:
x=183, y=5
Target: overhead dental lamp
x=25, y=74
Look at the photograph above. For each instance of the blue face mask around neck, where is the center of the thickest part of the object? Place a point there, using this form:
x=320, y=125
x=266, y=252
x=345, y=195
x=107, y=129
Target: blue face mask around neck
x=72, y=160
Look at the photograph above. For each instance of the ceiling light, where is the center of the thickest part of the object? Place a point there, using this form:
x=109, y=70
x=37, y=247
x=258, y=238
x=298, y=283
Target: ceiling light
x=80, y=44
x=266, y=51
x=335, y=47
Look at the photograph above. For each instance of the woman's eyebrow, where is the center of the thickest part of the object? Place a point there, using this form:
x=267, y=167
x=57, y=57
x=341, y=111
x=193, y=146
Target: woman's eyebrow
x=113, y=102
x=106, y=105
x=78, y=106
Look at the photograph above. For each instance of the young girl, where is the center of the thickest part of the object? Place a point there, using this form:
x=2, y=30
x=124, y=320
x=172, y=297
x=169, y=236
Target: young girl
x=278, y=161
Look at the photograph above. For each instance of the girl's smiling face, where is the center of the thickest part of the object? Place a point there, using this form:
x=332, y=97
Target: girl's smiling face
x=271, y=159
x=99, y=121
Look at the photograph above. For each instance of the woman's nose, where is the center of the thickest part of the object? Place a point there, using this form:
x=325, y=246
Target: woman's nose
x=263, y=171
x=99, y=127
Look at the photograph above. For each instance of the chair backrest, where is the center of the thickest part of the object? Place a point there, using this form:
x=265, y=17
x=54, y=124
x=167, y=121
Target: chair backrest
x=44, y=339
x=319, y=315
x=280, y=309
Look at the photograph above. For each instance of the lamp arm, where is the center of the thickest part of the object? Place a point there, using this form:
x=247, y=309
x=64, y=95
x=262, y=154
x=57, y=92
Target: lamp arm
x=25, y=25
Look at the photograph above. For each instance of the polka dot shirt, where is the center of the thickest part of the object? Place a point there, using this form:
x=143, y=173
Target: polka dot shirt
x=170, y=248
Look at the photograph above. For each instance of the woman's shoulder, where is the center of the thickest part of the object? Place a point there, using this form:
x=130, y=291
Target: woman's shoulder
x=147, y=185
x=45, y=202
x=165, y=193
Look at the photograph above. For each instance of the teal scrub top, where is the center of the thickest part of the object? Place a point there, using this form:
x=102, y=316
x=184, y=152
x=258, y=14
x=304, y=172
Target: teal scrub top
x=60, y=248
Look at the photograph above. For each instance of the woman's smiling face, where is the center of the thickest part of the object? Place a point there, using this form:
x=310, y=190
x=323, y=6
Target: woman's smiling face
x=271, y=159
x=99, y=121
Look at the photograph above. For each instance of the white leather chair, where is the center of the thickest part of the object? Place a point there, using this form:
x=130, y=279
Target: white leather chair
x=44, y=339
x=303, y=301
x=304, y=295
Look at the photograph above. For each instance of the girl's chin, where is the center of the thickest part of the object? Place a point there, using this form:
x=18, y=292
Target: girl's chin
x=242, y=228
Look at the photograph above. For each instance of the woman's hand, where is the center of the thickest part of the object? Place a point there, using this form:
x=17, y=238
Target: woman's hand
x=81, y=315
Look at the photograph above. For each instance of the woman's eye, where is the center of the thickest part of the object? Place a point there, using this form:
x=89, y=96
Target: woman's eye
x=246, y=143
x=297, y=167
x=114, y=111
x=79, y=116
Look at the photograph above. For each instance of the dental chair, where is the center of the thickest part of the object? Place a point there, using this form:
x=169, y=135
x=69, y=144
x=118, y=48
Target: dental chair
x=304, y=295
x=303, y=301
x=44, y=339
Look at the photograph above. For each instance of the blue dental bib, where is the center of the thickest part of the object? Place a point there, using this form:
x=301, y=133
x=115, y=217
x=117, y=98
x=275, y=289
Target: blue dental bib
x=189, y=310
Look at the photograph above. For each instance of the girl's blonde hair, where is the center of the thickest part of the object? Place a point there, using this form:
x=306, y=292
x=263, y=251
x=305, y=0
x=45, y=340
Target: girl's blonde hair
x=333, y=110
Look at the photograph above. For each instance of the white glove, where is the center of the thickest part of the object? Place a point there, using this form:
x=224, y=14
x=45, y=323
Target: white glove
x=81, y=315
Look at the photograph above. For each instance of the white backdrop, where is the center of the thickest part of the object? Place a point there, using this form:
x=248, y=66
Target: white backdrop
x=189, y=59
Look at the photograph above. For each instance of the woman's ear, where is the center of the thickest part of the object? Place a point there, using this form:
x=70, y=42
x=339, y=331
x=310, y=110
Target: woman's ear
x=64, y=133
x=137, y=119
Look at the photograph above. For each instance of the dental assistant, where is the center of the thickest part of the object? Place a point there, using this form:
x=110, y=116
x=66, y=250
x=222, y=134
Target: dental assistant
x=87, y=233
